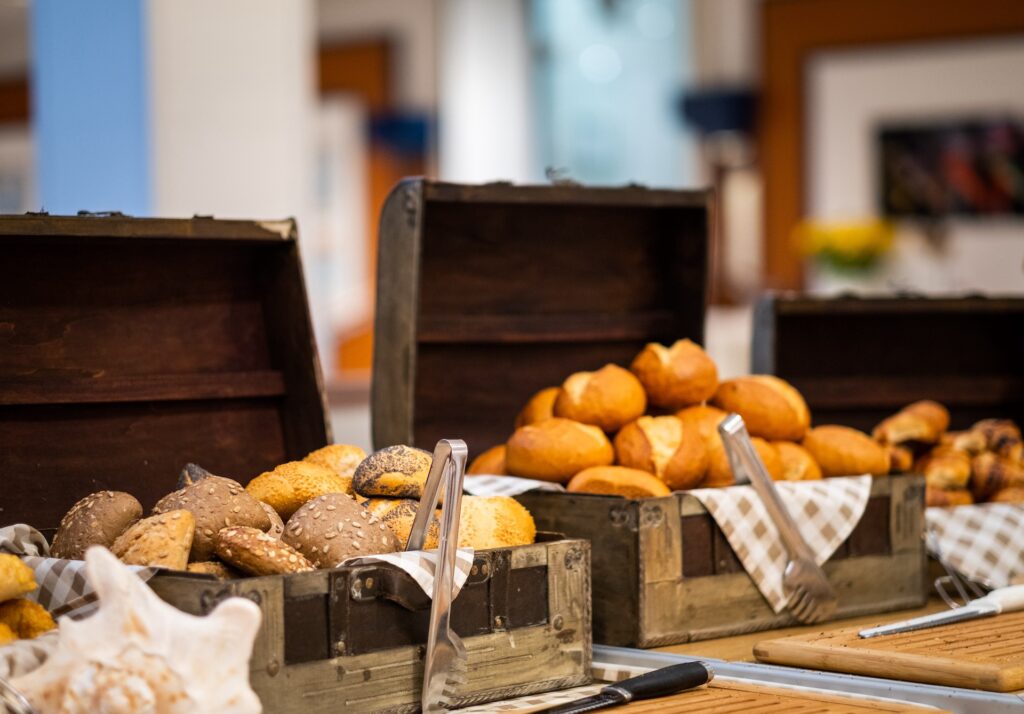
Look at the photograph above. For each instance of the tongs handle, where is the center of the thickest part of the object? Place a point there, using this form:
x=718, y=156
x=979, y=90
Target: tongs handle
x=747, y=467
x=447, y=452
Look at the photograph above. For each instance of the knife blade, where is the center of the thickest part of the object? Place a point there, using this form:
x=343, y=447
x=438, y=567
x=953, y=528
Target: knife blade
x=1001, y=600
x=657, y=683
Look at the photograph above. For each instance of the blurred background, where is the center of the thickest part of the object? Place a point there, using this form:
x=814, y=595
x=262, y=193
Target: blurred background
x=855, y=145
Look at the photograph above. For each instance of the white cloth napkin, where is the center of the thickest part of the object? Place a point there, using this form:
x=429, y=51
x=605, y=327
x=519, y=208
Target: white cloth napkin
x=487, y=485
x=982, y=542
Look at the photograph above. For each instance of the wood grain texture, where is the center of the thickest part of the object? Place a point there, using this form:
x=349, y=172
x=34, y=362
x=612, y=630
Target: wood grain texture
x=981, y=654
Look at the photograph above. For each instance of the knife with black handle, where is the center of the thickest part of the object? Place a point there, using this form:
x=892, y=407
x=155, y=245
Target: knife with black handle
x=657, y=683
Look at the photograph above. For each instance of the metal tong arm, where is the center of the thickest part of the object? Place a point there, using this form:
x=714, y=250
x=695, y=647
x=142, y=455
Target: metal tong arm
x=747, y=465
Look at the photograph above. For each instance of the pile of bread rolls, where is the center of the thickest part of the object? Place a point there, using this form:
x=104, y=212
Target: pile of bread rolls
x=335, y=504
x=653, y=429
x=20, y=618
x=983, y=463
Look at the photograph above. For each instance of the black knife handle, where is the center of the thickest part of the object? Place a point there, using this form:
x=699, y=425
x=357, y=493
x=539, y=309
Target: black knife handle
x=664, y=681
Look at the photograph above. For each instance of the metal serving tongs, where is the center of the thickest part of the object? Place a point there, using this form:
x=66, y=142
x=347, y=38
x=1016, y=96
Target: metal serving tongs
x=445, y=665
x=12, y=701
x=811, y=596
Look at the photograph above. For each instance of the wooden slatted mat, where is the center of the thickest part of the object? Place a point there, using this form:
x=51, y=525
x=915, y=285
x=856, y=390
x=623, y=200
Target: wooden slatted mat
x=980, y=654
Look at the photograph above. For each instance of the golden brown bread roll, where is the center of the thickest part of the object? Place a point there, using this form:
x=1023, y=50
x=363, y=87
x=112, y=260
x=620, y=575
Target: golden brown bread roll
x=216, y=568
x=608, y=398
x=290, y=485
x=618, y=481
x=25, y=618
x=676, y=376
x=342, y=459
x=901, y=459
x=1001, y=436
x=720, y=470
x=163, y=540
x=705, y=419
x=540, y=407
x=841, y=451
x=16, y=578
x=797, y=462
x=770, y=407
x=394, y=472
x=556, y=450
x=946, y=497
x=491, y=461
x=494, y=522
x=380, y=507
x=923, y=422
x=945, y=468
x=660, y=445
x=1010, y=494
x=992, y=473
x=400, y=519
x=971, y=442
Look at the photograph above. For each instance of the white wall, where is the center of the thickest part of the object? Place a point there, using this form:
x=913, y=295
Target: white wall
x=850, y=92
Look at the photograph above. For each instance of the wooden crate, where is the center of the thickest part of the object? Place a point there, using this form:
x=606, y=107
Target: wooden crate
x=487, y=294
x=858, y=360
x=129, y=347
x=664, y=572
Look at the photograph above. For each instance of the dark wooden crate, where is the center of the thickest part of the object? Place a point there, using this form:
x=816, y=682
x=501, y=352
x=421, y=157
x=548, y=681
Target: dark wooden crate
x=487, y=294
x=859, y=359
x=664, y=572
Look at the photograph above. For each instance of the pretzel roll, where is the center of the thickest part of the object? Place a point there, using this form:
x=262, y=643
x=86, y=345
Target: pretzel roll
x=540, y=407
x=946, y=497
x=491, y=461
x=720, y=470
x=661, y=446
x=770, y=407
x=841, y=451
x=922, y=422
x=608, y=398
x=992, y=473
x=618, y=481
x=797, y=462
x=556, y=449
x=676, y=376
x=945, y=468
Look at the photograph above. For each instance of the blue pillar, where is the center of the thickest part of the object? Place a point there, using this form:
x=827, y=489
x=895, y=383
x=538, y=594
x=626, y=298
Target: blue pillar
x=90, y=105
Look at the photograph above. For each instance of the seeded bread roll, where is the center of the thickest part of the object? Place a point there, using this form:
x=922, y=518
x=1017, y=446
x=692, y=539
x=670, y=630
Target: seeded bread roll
x=540, y=407
x=608, y=398
x=797, y=463
x=291, y=484
x=163, y=540
x=491, y=461
x=394, y=472
x=255, y=553
x=922, y=422
x=618, y=481
x=16, y=578
x=98, y=519
x=400, y=519
x=770, y=407
x=841, y=451
x=556, y=450
x=992, y=473
x=332, y=528
x=676, y=376
x=276, y=529
x=380, y=507
x=946, y=497
x=342, y=459
x=720, y=470
x=660, y=445
x=25, y=618
x=494, y=522
x=219, y=570
x=216, y=503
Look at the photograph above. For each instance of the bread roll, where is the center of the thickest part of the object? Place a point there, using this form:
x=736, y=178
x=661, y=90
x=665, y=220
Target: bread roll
x=660, y=445
x=922, y=422
x=618, y=481
x=7, y=634
x=971, y=441
x=705, y=419
x=608, y=398
x=676, y=376
x=291, y=484
x=163, y=540
x=901, y=459
x=254, y=552
x=400, y=519
x=394, y=472
x=98, y=519
x=556, y=450
x=215, y=503
x=494, y=522
x=215, y=568
x=25, y=618
x=770, y=407
x=797, y=463
x=1010, y=494
x=342, y=459
x=540, y=407
x=276, y=529
x=380, y=507
x=946, y=497
x=992, y=473
x=841, y=451
x=16, y=578
x=1002, y=436
x=333, y=528
x=945, y=468
x=190, y=474
x=720, y=470
x=491, y=461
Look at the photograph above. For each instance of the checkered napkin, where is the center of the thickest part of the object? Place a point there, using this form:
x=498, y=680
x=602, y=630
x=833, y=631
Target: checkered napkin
x=826, y=512
x=505, y=485
x=981, y=542
x=421, y=565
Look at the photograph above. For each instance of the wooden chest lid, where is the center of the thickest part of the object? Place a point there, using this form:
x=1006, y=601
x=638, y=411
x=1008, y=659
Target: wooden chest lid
x=487, y=294
x=129, y=347
x=859, y=359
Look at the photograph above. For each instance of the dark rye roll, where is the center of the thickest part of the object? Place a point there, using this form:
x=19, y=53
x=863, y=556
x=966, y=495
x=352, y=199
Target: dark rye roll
x=394, y=472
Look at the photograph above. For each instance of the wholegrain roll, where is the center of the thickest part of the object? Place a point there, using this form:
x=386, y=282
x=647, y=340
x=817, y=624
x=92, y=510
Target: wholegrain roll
x=842, y=451
x=676, y=376
x=163, y=540
x=922, y=422
x=662, y=446
x=292, y=484
x=97, y=519
x=540, y=407
x=946, y=497
x=394, y=472
x=332, y=528
x=608, y=398
x=797, y=462
x=770, y=407
x=491, y=461
x=720, y=472
x=556, y=450
x=342, y=459
x=618, y=481
x=256, y=553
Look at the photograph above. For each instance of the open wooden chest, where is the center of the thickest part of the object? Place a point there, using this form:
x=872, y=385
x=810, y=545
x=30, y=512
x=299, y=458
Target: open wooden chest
x=129, y=347
x=490, y=293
